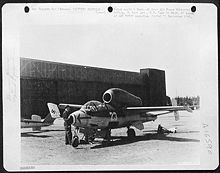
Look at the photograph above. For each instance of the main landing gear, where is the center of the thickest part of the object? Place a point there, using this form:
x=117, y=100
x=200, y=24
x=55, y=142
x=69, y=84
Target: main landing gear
x=75, y=141
x=108, y=135
x=86, y=139
x=89, y=139
x=130, y=133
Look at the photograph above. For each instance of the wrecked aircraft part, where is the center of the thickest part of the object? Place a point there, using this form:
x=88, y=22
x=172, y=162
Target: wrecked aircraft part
x=119, y=98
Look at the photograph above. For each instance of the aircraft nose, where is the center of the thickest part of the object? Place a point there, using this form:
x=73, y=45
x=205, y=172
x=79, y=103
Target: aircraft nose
x=76, y=118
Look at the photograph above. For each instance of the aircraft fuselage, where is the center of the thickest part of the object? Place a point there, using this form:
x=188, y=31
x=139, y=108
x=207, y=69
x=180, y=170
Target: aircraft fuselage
x=99, y=115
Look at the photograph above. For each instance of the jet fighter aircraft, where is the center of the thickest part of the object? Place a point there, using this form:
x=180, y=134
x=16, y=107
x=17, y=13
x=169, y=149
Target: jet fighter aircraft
x=118, y=109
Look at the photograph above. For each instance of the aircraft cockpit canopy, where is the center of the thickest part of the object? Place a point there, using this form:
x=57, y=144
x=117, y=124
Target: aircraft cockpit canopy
x=95, y=106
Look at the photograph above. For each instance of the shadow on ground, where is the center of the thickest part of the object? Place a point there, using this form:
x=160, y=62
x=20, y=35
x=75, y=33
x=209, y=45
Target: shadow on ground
x=155, y=131
x=122, y=140
x=35, y=133
x=32, y=135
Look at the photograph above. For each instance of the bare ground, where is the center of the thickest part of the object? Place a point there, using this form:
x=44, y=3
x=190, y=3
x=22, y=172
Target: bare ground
x=47, y=147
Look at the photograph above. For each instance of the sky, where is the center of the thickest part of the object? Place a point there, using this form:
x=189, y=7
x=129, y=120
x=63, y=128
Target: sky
x=172, y=45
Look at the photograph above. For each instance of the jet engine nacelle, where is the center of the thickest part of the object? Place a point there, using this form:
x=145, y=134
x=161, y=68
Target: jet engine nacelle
x=119, y=98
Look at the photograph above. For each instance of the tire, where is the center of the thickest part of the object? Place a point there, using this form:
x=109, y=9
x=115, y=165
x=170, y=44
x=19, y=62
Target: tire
x=131, y=133
x=75, y=141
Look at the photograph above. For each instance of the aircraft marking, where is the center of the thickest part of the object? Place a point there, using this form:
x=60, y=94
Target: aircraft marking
x=53, y=111
x=113, y=116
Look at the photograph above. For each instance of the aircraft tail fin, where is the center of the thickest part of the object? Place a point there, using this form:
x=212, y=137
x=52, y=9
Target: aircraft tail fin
x=54, y=110
x=54, y=113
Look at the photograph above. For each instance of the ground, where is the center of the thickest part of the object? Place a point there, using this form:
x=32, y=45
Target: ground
x=46, y=147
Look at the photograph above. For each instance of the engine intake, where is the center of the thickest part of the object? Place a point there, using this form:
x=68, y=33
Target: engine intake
x=120, y=98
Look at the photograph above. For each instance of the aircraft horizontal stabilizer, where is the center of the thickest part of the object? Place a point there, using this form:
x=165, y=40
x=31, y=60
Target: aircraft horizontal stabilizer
x=36, y=118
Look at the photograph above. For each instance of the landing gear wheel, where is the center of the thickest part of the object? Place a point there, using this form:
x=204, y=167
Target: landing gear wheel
x=75, y=141
x=131, y=133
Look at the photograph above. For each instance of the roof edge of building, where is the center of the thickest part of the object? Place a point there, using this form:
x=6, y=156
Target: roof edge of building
x=78, y=65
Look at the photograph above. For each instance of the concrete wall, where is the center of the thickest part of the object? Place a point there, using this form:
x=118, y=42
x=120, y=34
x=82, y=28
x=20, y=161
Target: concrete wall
x=43, y=81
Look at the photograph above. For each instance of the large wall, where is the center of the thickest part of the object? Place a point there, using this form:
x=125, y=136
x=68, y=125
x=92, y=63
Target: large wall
x=44, y=81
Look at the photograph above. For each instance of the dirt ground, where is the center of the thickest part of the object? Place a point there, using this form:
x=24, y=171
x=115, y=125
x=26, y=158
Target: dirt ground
x=46, y=147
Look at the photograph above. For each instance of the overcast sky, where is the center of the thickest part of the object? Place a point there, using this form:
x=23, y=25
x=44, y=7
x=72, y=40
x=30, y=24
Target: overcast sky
x=172, y=45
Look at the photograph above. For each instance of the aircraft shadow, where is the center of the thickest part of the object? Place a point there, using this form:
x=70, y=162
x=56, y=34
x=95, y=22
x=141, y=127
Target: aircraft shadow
x=42, y=131
x=123, y=140
x=155, y=131
x=32, y=135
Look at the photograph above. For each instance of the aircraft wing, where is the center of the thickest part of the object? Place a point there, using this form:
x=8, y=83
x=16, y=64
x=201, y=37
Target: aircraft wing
x=158, y=109
x=74, y=106
x=156, y=113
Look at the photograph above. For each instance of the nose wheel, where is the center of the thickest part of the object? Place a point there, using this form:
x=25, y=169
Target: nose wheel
x=75, y=140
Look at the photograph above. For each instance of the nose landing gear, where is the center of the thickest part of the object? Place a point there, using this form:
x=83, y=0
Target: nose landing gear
x=75, y=141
